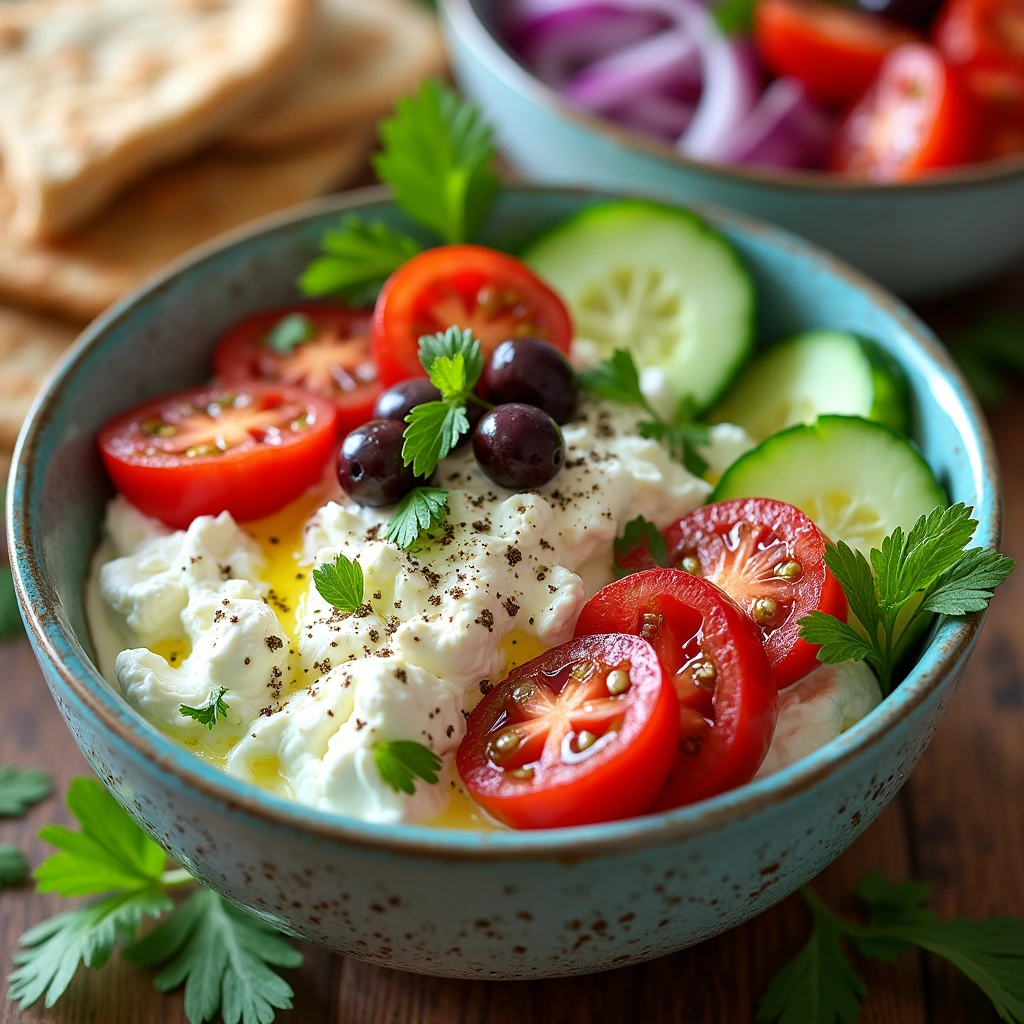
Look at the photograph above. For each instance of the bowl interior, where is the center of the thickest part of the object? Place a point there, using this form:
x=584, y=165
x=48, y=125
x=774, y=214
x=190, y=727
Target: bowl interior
x=162, y=339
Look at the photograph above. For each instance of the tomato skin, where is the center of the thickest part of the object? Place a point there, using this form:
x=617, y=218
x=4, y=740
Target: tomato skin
x=442, y=287
x=983, y=38
x=697, y=621
x=619, y=781
x=250, y=482
x=708, y=533
x=242, y=355
x=835, y=51
x=918, y=117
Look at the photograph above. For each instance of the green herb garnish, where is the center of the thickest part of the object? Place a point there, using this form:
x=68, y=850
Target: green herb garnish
x=419, y=511
x=618, y=380
x=734, y=17
x=19, y=790
x=820, y=985
x=401, y=761
x=340, y=583
x=289, y=332
x=209, y=713
x=221, y=954
x=639, y=532
x=13, y=866
x=930, y=561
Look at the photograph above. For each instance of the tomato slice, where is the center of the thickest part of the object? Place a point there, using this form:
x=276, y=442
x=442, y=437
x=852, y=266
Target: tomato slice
x=467, y=286
x=584, y=733
x=835, y=51
x=334, y=360
x=985, y=39
x=770, y=559
x=248, y=450
x=727, y=698
x=917, y=117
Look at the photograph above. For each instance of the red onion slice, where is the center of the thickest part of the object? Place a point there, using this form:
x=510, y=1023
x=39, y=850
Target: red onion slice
x=661, y=116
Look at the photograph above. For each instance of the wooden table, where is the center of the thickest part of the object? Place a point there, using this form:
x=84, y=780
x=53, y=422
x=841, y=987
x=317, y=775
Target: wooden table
x=959, y=823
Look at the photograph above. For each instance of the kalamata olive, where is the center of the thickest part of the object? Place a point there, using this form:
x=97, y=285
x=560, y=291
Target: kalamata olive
x=917, y=13
x=532, y=372
x=518, y=446
x=370, y=468
x=399, y=400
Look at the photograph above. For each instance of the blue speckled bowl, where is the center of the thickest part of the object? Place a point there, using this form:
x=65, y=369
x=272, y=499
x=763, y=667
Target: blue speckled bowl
x=922, y=238
x=445, y=902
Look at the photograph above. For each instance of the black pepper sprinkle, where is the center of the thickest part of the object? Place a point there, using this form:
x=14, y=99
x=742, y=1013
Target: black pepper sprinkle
x=513, y=556
x=486, y=619
x=511, y=607
x=275, y=643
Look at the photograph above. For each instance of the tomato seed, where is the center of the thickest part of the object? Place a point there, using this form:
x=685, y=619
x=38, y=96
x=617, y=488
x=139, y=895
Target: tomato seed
x=650, y=626
x=788, y=570
x=764, y=610
x=585, y=739
x=505, y=743
x=705, y=675
x=617, y=681
x=691, y=564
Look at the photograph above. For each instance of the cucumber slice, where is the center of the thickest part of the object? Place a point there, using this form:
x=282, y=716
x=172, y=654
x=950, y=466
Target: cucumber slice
x=814, y=374
x=655, y=280
x=857, y=479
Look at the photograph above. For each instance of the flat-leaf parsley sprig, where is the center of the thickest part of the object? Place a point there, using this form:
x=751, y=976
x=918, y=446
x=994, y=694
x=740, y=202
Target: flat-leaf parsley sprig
x=438, y=155
x=617, y=379
x=221, y=954
x=636, y=533
x=400, y=762
x=820, y=985
x=931, y=564
x=213, y=710
x=340, y=583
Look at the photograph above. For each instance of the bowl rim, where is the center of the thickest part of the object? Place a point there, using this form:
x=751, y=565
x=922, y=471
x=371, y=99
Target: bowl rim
x=55, y=642
x=465, y=22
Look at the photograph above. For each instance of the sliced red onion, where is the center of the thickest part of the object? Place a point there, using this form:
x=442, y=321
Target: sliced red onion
x=666, y=63
x=661, y=116
x=787, y=129
x=563, y=44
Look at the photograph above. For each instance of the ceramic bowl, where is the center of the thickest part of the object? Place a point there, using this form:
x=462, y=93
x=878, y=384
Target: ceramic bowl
x=920, y=239
x=465, y=904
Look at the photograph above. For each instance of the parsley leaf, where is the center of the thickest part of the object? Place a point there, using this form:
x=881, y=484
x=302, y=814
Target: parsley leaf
x=19, y=790
x=639, y=532
x=10, y=620
x=223, y=957
x=401, y=761
x=421, y=509
x=453, y=361
x=340, y=583
x=13, y=866
x=617, y=379
x=990, y=351
x=818, y=985
x=289, y=332
x=357, y=259
x=211, y=712
x=734, y=17
x=930, y=566
x=438, y=156
x=110, y=852
x=50, y=953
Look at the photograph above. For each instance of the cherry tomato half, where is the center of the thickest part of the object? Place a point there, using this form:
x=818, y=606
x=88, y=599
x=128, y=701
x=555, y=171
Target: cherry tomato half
x=917, y=117
x=985, y=39
x=467, y=286
x=727, y=698
x=248, y=450
x=835, y=51
x=770, y=559
x=334, y=360
x=584, y=733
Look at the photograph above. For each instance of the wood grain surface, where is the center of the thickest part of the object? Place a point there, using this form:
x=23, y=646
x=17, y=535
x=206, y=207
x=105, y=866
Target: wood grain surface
x=958, y=823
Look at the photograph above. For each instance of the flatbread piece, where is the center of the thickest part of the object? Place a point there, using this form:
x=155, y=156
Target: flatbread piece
x=94, y=94
x=162, y=218
x=368, y=53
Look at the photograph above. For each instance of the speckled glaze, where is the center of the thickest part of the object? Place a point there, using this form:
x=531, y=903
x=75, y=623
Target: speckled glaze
x=445, y=902
x=923, y=238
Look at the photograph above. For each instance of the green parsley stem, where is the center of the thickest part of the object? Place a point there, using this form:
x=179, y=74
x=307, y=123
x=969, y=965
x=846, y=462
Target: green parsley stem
x=174, y=877
x=477, y=400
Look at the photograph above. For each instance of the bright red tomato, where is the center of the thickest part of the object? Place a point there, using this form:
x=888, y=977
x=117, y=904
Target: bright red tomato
x=985, y=38
x=728, y=701
x=247, y=450
x=770, y=559
x=584, y=733
x=917, y=117
x=835, y=51
x=467, y=286
x=334, y=361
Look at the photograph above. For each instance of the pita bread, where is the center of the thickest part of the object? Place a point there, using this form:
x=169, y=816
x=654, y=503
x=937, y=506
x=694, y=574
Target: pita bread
x=96, y=93
x=369, y=52
x=30, y=347
x=163, y=217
